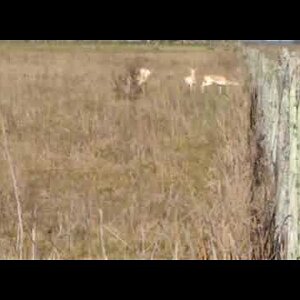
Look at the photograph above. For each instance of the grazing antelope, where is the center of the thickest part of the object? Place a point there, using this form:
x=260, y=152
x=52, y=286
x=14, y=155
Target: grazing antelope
x=218, y=80
x=142, y=77
x=190, y=81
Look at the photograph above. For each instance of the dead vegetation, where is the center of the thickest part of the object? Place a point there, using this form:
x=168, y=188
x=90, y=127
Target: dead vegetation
x=125, y=86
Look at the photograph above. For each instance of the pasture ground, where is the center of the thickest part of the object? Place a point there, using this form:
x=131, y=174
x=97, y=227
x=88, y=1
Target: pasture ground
x=164, y=177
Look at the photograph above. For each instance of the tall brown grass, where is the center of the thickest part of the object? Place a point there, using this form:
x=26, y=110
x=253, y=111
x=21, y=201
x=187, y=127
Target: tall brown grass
x=165, y=177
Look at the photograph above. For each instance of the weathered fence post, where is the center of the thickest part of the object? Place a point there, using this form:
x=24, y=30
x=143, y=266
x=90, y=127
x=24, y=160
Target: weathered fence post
x=277, y=120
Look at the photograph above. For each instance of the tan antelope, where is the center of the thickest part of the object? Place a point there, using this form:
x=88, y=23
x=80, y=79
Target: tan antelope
x=190, y=81
x=142, y=77
x=218, y=80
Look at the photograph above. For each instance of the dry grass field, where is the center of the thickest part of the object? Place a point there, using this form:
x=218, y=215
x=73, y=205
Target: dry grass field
x=86, y=175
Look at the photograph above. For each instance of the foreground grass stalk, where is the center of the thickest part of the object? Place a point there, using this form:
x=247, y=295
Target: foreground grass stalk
x=20, y=232
x=101, y=235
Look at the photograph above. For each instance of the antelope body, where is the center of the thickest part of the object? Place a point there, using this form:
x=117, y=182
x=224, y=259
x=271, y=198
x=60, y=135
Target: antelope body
x=143, y=76
x=190, y=81
x=218, y=80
